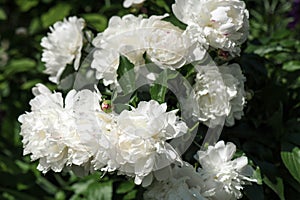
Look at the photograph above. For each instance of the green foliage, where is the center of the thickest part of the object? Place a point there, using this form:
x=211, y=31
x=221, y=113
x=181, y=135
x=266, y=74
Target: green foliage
x=292, y=162
x=269, y=133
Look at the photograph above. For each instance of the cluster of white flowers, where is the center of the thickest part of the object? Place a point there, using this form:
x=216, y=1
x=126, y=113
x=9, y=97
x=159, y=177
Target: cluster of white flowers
x=219, y=177
x=50, y=131
x=78, y=132
x=132, y=36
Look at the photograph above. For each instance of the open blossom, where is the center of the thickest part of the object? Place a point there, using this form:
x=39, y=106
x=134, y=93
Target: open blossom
x=220, y=94
x=120, y=37
x=52, y=132
x=129, y=3
x=132, y=36
x=223, y=176
x=234, y=81
x=223, y=23
x=181, y=52
x=183, y=184
x=62, y=46
x=140, y=136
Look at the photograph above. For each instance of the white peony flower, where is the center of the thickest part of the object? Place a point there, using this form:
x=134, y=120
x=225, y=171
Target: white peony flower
x=212, y=96
x=234, y=80
x=223, y=177
x=184, y=184
x=132, y=36
x=62, y=46
x=129, y=3
x=223, y=23
x=182, y=51
x=53, y=130
x=120, y=37
x=220, y=94
x=141, y=143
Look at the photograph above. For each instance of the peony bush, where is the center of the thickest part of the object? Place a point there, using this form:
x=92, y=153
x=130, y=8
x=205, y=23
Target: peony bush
x=161, y=101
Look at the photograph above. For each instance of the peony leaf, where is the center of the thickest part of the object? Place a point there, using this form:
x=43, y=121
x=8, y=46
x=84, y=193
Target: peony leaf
x=291, y=161
x=27, y=5
x=125, y=187
x=20, y=65
x=126, y=75
x=56, y=13
x=276, y=186
x=159, y=90
x=101, y=191
x=291, y=66
x=97, y=21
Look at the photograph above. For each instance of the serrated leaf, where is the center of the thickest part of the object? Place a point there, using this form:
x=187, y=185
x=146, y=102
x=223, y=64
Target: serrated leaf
x=291, y=66
x=276, y=186
x=55, y=14
x=291, y=161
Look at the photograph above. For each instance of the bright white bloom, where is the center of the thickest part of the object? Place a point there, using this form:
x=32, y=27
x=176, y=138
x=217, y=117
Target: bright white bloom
x=223, y=177
x=182, y=51
x=142, y=139
x=129, y=3
x=184, y=184
x=220, y=94
x=132, y=36
x=223, y=23
x=52, y=131
x=62, y=46
x=120, y=37
x=234, y=80
x=212, y=96
x=105, y=144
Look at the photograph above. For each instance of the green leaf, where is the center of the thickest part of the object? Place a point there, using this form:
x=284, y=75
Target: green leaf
x=17, y=194
x=20, y=65
x=3, y=15
x=291, y=66
x=26, y=5
x=55, y=14
x=130, y=195
x=276, y=186
x=97, y=21
x=29, y=84
x=81, y=187
x=126, y=75
x=102, y=191
x=291, y=161
x=159, y=90
x=35, y=25
x=162, y=4
x=125, y=187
